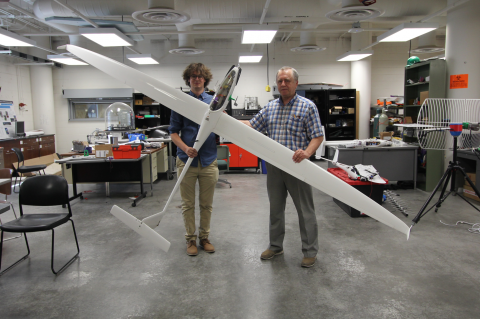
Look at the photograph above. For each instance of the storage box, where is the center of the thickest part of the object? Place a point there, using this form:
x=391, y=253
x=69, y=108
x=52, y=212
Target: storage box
x=386, y=136
x=473, y=177
x=372, y=190
x=103, y=150
x=131, y=151
x=138, y=102
x=423, y=96
x=147, y=100
x=351, y=110
x=470, y=193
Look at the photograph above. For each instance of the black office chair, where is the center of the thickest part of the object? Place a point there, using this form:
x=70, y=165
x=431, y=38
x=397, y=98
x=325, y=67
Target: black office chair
x=44, y=190
x=6, y=173
x=25, y=169
x=223, y=161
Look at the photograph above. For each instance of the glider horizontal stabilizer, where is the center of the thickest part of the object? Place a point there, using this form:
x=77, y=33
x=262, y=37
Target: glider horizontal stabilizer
x=141, y=228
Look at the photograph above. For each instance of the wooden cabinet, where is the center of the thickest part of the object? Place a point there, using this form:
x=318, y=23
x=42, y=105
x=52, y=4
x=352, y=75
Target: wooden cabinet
x=31, y=147
x=337, y=110
x=47, y=145
x=240, y=158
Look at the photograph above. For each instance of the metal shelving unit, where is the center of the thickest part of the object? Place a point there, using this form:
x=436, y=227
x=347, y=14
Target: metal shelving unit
x=436, y=70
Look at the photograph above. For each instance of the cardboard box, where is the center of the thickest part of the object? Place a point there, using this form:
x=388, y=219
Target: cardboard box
x=138, y=102
x=147, y=100
x=470, y=193
x=351, y=110
x=473, y=177
x=386, y=136
x=423, y=96
x=408, y=120
x=103, y=150
x=49, y=160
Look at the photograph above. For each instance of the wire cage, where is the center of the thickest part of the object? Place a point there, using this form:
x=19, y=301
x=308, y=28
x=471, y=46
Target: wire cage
x=435, y=117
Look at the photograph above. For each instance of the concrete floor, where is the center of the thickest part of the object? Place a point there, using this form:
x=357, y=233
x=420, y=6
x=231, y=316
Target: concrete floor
x=364, y=268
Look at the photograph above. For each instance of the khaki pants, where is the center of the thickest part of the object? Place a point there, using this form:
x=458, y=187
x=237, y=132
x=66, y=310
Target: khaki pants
x=207, y=179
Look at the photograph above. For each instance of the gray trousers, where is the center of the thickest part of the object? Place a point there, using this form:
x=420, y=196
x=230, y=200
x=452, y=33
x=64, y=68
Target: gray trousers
x=279, y=185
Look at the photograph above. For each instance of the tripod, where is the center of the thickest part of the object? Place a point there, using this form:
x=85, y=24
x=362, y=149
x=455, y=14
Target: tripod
x=449, y=174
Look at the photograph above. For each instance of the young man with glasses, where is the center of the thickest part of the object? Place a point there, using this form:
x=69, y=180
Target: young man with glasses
x=292, y=121
x=204, y=166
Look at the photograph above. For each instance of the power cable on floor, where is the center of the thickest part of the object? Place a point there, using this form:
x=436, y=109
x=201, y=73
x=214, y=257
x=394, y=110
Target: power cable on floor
x=474, y=229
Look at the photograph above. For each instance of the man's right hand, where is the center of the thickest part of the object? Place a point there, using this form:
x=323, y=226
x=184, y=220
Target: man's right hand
x=191, y=152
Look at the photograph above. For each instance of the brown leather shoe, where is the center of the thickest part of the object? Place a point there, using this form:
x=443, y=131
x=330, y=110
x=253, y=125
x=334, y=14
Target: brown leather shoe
x=308, y=262
x=192, y=248
x=206, y=245
x=269, y=254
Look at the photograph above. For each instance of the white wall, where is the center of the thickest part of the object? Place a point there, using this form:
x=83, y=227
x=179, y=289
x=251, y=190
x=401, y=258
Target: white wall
x=15, y=86
x=388, y=67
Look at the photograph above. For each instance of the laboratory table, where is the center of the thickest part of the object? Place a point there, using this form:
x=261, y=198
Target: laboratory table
x=96, y=170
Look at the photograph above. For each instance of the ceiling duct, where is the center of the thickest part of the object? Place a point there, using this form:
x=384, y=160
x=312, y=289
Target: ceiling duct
x=308, y=42
x=186, y=42
x=161, y=12
x=351, y=11
x=427, y=44
x=44, y=9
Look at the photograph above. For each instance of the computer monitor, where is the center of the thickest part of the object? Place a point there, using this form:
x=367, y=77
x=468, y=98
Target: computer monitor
x=20, y=128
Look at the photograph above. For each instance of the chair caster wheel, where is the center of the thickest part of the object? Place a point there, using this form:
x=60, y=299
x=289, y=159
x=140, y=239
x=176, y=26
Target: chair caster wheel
x=134, y=204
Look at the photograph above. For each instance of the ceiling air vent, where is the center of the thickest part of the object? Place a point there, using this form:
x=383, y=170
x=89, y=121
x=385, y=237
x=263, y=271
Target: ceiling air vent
x=186, y=51
x=355, y=13
x=307, y=48
x=161, y=16
x=427, y=49
x=426, y=44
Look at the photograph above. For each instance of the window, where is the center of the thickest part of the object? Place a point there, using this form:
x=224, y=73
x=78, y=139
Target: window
x=91, y=109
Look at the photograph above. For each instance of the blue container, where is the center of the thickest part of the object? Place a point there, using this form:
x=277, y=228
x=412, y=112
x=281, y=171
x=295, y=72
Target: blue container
x=133, y=136
x=264, y=167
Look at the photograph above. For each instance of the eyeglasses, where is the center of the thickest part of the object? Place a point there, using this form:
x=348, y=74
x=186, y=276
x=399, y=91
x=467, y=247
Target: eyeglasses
x=193, y=77
x=287, y=81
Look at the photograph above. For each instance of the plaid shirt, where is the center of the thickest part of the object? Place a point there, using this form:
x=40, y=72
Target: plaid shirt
x=293, y=125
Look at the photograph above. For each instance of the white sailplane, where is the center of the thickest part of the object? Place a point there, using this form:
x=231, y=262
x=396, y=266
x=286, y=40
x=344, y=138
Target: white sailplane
x=236, y=132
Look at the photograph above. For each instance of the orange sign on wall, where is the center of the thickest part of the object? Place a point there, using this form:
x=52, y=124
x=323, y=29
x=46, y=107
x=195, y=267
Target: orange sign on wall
x=459, y=81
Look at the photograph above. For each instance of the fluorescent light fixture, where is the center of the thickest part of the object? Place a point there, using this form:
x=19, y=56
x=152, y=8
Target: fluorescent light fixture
x=250, y=57
x=406, y=32
x=258, y=33
x=258, y=36
x=65, y=60
x=354, y=55
x=106, y=37
x=5, y=51
x=143, y=58
x=11, y=39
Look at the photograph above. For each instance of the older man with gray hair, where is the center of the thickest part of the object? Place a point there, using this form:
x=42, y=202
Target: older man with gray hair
x=292, y=121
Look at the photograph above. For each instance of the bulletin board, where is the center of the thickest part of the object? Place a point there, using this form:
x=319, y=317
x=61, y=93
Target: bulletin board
x=8, y=118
